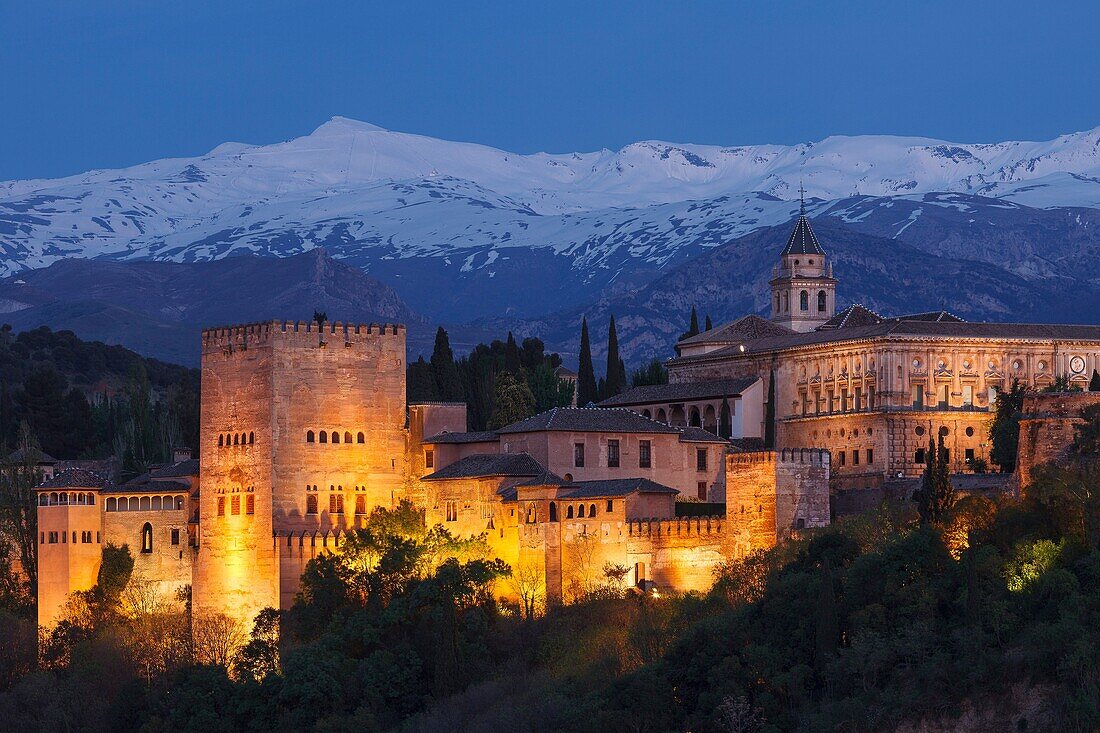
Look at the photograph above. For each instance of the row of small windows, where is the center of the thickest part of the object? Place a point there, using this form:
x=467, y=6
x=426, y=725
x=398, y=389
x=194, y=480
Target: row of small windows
x=232, y=439
x=62, y=499
x=324, y=437
x=53, y=538
x=842, y=457
x=235, y=504
x=804, y=301
x=144, y=503
x=336, y=504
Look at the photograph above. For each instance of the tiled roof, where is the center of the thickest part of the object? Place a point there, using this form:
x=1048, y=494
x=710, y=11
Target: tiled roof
x=937, y=316
x=546, y=478
x=148, y=487
x=614, y=487
x=483, y=436
x=37, y=456
x=681, y=392
x=803, y=241
x=489, y=464
x=745, y=328
x=895, y=327
x=698, y=435
x=190, y=467
x=853, y=315
x=75, y=478
x=563, y=372
x=588, y=419
x=747, y=444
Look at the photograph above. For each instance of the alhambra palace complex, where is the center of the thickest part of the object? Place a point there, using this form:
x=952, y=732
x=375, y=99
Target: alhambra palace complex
x=306, y=430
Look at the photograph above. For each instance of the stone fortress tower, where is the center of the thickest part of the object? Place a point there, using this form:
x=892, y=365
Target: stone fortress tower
x=803, y=288
x=303, y=430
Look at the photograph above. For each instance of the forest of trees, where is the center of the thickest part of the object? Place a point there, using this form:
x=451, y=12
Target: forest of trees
x=506, y=381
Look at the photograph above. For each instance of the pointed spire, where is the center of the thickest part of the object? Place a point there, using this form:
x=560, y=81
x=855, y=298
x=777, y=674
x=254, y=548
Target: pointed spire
x=801, y=198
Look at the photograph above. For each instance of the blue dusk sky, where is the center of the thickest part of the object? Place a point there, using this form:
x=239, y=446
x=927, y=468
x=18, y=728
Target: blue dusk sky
x=109, y=84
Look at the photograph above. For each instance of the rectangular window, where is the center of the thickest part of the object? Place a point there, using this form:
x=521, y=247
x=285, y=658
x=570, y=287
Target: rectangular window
x=968, y=395
x=700, y=459
x=578, y=455
x=360, y=504
x=843, y=400
x=335, y=503
x=610, y=505
x=612, y=454
x=645, y=454
x=452, y=511
x=841, y=456
x=311, y=503
x=918, y=396
x=235, y=505
x=175, y=536
x=97, y=538
x=53, y=538
x=859, y=399
x=870, y=398
x=943, y=394
x=250, y=504
x=701, y=490
x=429, y=459
x=855, y=457
x=830, y=401
x=64, y=537
x=969, y=455
x=870, y=455
x=918, y=457
x=221, y=506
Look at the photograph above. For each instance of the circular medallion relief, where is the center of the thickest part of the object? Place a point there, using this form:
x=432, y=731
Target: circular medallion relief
x=1017, y=365
x=941, y=364
x=1042, y=365
x=920, y=430
x=966, y=363
x=992, y=365
x=916, y=363
x=970, y=432
x=1077, y=364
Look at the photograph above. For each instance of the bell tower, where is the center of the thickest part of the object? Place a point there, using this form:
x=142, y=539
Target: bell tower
x=803, y=287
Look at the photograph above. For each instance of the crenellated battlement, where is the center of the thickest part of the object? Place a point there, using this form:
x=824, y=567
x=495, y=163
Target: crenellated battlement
x=243, y=336
x=788, y=456
x=678, y=527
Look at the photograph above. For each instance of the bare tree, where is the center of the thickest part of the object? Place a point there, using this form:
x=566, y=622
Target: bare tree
x=528, y=580
x=736, y=715
x=216, y=639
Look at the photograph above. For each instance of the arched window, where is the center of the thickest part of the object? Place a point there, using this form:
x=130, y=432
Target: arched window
x=155, y=503
x=777, y=302
x=360, y=438
x=647, y=414
x=335, y=437
x=804, y=300
x=786, y=302
x=694, y=420
x=311, y=504
x=569, y=512
x=147, y=538
x=662, y=416
x=347, y=437
x=250, y=504
x=144, y=504
x=112, y=504
x=821, y=301
x=236, y=440
x=591, y=510
x=221, y=441
x=553, y=512
x=251, y=438
x=580, y=512
x=309, y=436
x=324, y=437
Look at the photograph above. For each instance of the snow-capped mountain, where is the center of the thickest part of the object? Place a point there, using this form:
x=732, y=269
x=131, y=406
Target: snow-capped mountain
x=465, y=230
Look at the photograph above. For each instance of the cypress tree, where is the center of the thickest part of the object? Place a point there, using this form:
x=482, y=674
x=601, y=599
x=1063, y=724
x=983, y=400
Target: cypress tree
x=707, y=326
x=1094, y=383
x=613, y=383
x=769, y=415
x=512, y=362
x=693, y=329
x=725, y=422
x=586, y=375
x=448, y=384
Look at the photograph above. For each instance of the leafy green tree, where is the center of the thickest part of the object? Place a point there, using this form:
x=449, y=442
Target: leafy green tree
x=587, y=390
x=420, y=383
x=1004, y=431
x=514, y=401
x=448, y=384
x=548, y=390
x=652, y=373
x=19, y=475
x=259, y=658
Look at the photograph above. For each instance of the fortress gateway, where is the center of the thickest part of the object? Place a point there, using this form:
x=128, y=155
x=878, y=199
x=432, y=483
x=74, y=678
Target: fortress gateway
x=305, y=430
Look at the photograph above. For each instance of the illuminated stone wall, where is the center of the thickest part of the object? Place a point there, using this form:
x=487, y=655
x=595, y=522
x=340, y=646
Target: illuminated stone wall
x=167, y=567
x=68, y=564
x=277, y=387
x=1047, y=429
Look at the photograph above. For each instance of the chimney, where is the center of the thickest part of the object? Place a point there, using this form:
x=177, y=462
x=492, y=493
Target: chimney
x=180, y=454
